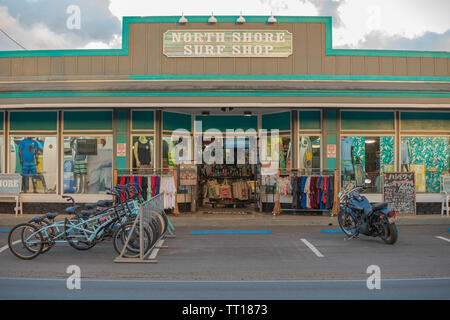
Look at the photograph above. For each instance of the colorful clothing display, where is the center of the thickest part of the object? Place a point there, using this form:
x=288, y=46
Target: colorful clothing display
x=312, y=192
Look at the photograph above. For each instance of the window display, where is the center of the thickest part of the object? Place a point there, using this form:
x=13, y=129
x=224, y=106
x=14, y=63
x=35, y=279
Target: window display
x=1, y=155
x=428, y=157
x=364, y=159
x=143, y=151
x=87, y=164
x=35, y=159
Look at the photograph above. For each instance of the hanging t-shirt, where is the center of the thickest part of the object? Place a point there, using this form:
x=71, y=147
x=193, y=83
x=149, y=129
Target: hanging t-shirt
x=28, y=147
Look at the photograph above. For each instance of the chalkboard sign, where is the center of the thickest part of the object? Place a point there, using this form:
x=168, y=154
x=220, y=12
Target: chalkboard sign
x=400, y=192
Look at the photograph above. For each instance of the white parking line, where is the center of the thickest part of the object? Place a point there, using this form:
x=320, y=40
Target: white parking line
x=442, y=238
x=155, y=251
x=6, y=247
x=313, y=249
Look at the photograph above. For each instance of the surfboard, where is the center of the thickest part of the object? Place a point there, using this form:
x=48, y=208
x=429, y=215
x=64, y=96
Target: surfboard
x=50, y=162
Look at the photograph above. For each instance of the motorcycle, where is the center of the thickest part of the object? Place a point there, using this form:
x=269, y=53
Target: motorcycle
x=357, y=216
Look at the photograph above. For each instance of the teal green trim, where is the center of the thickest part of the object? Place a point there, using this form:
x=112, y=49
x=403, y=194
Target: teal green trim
x=143, y=119
x=280, y=121
x=88, y=120
x=121, y=120
x=331, y=162
x=331, y=118
x=121, y=162
x=437, y=121
x=283, y=77
x=367, y=120
x=229, y=93
x=309, y=119
x=121, y=138
x=33, y=120
x=223, y=123
x=224, y=19
x=2, y=117
x=173, y=121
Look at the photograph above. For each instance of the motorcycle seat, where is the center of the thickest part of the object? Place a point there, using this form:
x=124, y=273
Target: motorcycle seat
x=379, y=206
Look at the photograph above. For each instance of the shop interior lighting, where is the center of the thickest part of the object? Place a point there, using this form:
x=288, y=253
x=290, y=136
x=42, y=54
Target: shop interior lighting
x=183, y=19
x=212, y=19
x=241, y=19
x=205, y=113
x=247, y=113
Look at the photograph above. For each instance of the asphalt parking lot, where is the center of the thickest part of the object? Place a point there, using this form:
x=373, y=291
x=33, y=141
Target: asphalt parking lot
x=282, y=253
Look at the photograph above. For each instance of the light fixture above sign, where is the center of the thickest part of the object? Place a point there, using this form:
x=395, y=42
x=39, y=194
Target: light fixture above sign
x=241, y=19
x=271, y=19
x=183, y=19
x=212, y=19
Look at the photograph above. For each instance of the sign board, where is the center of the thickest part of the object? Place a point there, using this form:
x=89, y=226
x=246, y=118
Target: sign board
x=121, y=150
x=188, y=174
x=227, y=43
x=331, y=151
x=10, y=183
x=399, y=191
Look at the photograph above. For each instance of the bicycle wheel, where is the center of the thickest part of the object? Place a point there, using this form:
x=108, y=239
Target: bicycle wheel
x=47, y=235
x=76, y=237
x=132, y=249
x=25, y=241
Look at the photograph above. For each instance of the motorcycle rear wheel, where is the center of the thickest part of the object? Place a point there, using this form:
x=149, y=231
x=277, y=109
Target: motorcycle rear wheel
x=390, y=235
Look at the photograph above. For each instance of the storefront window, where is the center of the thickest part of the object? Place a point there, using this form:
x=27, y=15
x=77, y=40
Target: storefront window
x=1, y=156
x=143, y=152
x=284, y=155
x=364, y=159
x=36, y=160
x=428, y=157
x=88, y=164
x=309, y=152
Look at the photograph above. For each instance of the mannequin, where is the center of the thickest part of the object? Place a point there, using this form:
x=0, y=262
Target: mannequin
x=142, y=152
x=28, y=148
x=406, y=155
x=80, y=167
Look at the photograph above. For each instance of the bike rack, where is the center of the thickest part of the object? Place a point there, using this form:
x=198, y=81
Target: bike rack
x=146, y=211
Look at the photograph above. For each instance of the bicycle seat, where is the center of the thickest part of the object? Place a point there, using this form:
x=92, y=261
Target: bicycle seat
x=51, y=215
x=87, y=213
x=71, y=210
x=104, y=203
x=37, y=219
x=379, y=206
x=90, y=205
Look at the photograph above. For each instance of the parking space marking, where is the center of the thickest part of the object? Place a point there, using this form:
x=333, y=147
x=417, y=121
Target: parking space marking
x=313, y=249
x=442, y=238
x=156, y=250
x=6, y=247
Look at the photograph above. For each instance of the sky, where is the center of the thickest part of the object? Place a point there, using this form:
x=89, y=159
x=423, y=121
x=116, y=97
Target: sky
x=357, y=24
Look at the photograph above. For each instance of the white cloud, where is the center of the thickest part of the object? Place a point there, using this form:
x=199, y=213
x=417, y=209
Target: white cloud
x=38, y=36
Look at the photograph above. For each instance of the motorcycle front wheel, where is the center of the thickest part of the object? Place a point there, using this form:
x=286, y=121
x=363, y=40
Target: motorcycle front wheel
x=347, y=223
x=390, y=235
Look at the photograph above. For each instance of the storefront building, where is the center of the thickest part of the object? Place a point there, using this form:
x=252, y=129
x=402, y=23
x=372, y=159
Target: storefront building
x=71, y=119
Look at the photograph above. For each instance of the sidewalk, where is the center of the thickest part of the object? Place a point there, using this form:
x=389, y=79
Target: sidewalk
x=254, y=219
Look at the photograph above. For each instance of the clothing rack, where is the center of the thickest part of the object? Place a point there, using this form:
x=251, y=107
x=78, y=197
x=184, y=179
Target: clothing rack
x=277, y=206
x=140, y=173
